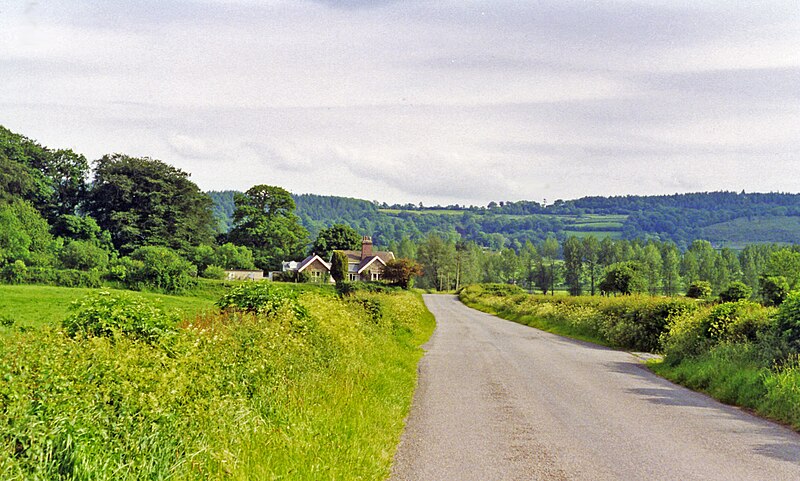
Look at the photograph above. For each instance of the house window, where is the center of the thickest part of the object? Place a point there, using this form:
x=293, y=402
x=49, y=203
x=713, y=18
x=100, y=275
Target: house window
x=376, y=276
x=316, y=276
x=353, y=277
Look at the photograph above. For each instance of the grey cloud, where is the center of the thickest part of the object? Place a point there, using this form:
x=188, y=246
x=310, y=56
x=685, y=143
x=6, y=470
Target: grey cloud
x=772, y=84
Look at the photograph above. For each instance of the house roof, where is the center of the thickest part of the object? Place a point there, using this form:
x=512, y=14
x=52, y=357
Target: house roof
x=368, y=262
x=310, y=260
x=354, y=257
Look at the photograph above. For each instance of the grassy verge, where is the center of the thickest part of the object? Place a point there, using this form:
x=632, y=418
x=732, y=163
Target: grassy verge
x=734, y=374
x=229, y=396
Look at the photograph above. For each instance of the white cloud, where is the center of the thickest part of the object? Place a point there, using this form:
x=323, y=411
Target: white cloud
x=407, y=101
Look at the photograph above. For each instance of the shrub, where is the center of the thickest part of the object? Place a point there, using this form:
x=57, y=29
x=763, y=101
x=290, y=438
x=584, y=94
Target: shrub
x=160, y=268
x=83, y=255
x=773, y=289
x=788, y=322
x=291, y=276
x=699, y=290
x=106, y=314
x=214, y=272
x=15, y=272
x=262, y=298
x=736, y=291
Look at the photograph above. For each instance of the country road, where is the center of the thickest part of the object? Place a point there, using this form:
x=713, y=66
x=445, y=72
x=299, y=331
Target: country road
x=501, y=401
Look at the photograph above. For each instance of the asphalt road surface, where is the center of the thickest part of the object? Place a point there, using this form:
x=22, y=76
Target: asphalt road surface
x=501, y=401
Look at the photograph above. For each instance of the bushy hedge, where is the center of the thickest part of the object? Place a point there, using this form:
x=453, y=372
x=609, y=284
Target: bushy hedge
x=19, y=273
x=233, y=395
x=630, y=322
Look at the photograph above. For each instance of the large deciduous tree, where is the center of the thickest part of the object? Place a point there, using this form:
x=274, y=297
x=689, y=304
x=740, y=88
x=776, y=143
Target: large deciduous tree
x=401, y=272
x=144, y=201
x=264, y=221
x=339, y=237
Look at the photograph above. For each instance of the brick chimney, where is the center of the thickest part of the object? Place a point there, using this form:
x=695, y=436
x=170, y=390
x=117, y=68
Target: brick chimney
x=366, y=247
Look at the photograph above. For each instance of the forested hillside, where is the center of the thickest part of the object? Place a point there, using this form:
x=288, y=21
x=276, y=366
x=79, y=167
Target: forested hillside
x=726, y=219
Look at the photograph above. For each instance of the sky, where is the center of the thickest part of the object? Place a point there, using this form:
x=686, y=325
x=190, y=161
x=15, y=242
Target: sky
x=440, y=102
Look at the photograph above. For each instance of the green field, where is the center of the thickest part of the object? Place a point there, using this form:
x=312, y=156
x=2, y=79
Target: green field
x=599, y=234
x=742, y=231
x=34, y=306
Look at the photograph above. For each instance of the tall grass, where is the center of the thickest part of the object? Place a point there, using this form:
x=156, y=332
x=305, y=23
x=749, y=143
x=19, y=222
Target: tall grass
x=230, y=396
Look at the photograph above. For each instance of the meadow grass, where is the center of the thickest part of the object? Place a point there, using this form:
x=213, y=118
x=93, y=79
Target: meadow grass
x=34, y=306
x=230, y=395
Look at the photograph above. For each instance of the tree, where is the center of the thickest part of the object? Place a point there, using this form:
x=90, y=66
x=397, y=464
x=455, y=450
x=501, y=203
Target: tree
x=670, y=269
x=143, y=201
x=652, y=263
x=773, y=289
x=548, y=271
x=339, y=237
x=624, y=278
x=401, y=272
x=25, y=235
x=591, y=261
x=529, y=260
x=339, y=266
x=231, y=256
x=264, y=221
x=573, y=264
x=438, y=260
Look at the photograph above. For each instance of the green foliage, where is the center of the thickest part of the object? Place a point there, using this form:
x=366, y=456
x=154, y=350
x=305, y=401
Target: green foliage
x=24, y=235
x=110, y=315
x=291, y=276
x=52, y=180
x=15, y=272
x=262, y=298
x=232, y=396
x=773, y=289
x=231, y=256
x=623, y=278
x=157, y=268
x=630, y=322
x=214, y=272
x=62, y=277
x=265, y=222
x=83, y=255
x=143, y=201
x=339, y=266
x=338, y=237
x=699, y=290
x=788, y=322
x=736, y=291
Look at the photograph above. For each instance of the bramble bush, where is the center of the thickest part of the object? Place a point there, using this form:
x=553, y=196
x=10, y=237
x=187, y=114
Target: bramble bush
x=111, y=315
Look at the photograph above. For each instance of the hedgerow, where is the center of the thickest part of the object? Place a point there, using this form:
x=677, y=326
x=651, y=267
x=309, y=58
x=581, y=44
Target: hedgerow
x=235, y=394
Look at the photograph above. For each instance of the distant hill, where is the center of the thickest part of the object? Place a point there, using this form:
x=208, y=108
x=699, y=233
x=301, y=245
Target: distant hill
x=727, y=219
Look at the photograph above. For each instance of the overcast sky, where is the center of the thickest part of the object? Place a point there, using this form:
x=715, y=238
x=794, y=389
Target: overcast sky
x=407, y=101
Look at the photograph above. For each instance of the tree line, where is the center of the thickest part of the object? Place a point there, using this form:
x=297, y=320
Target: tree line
x=140, y=221
x=591, y=266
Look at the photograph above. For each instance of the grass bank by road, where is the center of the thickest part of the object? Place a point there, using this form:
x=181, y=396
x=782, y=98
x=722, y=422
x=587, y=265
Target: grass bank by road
x=315, y=387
